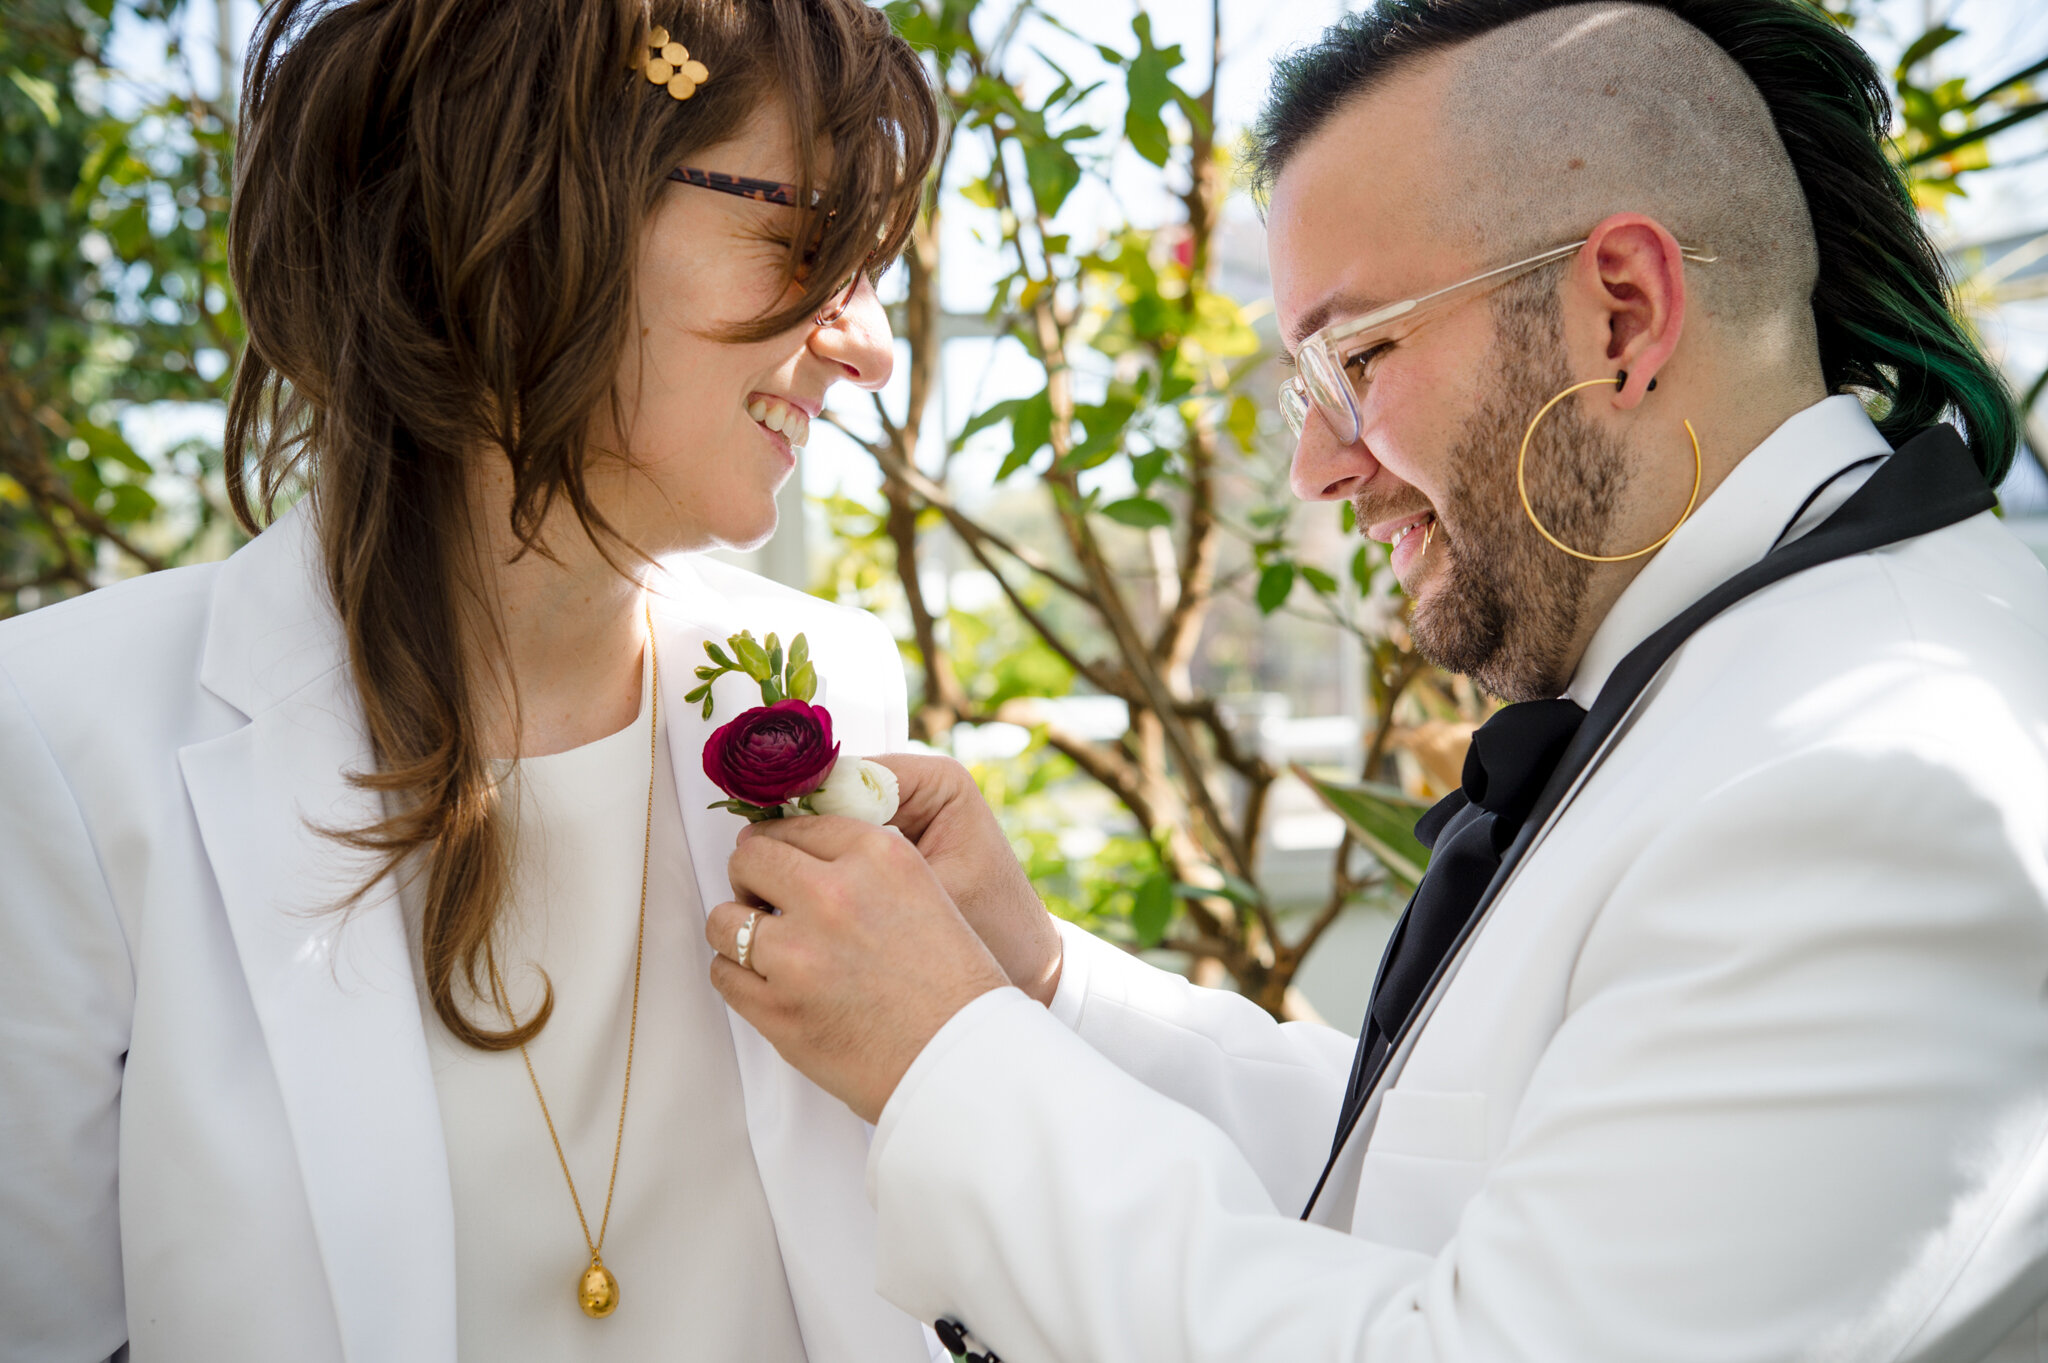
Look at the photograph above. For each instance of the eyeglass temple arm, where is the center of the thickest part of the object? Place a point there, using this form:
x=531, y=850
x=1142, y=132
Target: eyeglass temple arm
x=1492, y=278
x=1699, y=254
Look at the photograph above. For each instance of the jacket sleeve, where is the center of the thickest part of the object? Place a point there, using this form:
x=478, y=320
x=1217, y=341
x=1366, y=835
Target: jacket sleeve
x=1273, y=1088
x=1802, y=1073
x=66, y=996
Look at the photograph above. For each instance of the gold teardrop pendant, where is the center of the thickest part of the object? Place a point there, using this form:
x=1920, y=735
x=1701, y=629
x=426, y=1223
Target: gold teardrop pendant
x=598, y=1291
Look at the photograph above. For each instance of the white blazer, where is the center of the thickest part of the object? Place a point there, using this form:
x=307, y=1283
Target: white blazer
x=1748, y=1062
x=219, y=1138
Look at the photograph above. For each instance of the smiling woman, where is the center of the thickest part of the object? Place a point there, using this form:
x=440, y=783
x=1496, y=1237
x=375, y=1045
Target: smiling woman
x=381, y=817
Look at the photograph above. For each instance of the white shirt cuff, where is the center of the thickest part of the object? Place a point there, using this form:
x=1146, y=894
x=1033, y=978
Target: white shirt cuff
x=1072, y=991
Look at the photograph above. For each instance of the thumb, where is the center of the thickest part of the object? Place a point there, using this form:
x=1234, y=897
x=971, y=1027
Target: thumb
x=926, y=787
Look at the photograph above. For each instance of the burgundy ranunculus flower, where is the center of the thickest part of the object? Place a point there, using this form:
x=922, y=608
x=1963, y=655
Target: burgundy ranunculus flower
x=772, y=753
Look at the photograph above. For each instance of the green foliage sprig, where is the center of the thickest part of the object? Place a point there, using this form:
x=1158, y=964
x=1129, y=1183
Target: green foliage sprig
x=780, y=677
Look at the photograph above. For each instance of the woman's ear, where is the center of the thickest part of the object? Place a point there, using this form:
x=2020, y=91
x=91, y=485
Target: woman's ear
x=1632, y=274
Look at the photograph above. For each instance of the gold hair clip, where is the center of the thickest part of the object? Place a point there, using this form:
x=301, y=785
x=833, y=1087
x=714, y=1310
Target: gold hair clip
x=670, y=64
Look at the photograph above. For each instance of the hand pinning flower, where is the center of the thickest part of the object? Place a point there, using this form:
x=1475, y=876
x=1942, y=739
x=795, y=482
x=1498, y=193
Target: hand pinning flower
x=778, y=759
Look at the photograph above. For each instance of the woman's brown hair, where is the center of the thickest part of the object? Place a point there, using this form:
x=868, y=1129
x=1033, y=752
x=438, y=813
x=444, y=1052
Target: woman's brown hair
x=436, y=217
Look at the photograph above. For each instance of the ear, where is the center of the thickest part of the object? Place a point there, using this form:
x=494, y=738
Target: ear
x=1632, y=273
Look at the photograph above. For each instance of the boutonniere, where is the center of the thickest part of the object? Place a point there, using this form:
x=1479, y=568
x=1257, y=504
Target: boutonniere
x=778, y=759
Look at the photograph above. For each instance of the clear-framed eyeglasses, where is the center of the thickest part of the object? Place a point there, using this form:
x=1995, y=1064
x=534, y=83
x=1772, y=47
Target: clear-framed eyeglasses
x=1334, y=365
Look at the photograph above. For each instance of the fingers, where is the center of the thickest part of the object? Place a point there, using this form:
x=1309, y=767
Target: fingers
x=925, y=786
x=768, y=870
x=722, y=929
x=823, y=837
x=747, y=993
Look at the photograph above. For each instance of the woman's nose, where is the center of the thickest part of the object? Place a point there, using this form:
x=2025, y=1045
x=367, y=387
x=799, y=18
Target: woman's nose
x=1326, y=471
x=858, y=341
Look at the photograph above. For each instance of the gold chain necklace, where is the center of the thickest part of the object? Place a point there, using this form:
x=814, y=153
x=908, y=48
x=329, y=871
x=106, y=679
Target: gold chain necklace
x=597, y=1291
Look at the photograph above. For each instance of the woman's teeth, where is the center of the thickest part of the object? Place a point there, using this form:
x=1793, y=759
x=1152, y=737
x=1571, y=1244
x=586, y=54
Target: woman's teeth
x=779, y=416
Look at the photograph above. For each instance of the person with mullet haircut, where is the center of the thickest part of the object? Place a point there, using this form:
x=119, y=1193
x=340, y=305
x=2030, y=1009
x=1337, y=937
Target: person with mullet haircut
x=1717, y=1028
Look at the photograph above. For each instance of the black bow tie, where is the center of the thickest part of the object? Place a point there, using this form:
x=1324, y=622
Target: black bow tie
x=1511, y=757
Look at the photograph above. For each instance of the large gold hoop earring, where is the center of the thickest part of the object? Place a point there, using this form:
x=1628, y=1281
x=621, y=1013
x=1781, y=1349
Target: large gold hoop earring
x=1522, y=481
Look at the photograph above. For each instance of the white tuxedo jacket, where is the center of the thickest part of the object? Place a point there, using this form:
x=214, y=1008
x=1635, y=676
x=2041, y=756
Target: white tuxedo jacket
x=219, y=1138
x=1749, y=1060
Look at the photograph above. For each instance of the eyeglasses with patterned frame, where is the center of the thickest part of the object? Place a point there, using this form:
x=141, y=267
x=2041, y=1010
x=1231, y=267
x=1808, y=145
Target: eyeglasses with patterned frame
x=777, y=192
x=1324, y=358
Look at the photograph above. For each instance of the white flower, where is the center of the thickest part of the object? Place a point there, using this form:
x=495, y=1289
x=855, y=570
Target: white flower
x=857, y=789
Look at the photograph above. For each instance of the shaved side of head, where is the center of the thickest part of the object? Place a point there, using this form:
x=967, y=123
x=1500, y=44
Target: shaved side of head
x=1556, y=121
x=1756, y=129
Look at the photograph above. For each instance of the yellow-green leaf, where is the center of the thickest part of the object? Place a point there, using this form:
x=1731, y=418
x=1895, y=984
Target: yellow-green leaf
x=1381, y=818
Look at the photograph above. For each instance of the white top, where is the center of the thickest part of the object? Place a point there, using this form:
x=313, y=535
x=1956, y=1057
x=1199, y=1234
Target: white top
x=690, y=1242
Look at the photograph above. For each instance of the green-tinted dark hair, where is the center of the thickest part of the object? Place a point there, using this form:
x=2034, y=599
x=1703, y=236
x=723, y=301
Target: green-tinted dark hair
x=1883, y=304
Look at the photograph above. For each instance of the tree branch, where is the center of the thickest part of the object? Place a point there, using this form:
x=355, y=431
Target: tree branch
x=936, y=497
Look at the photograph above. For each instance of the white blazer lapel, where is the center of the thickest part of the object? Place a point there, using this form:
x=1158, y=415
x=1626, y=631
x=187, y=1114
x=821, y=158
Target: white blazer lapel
x=334, y=991
x=810, y=1149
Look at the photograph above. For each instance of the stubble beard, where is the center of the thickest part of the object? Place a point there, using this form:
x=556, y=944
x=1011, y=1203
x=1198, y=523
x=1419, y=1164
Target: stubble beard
x=1508, y=606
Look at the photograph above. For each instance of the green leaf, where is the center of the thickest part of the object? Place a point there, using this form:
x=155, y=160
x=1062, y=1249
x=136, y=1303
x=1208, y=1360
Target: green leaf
x=1153, y=909
x=106, y=442
x=1363, y=568
x=1141, y=512
x=753, y=659
x=1274, y=584
x=1146, y=468
x=1381, y=818
x=41, y=93
x=1241, y=891
x=751, y=813
x=1030, y=432
x=1320, y=580
x=128, y=230
x=981, y=421
x=803, y=681
x=1105, y=423
x=1243, y=423
x=129, y=502
x=1053, y=173
x=1925, y=46
x=2033, y=393
x=1151, y=87
x=1030, y=669
x=1016, y=459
